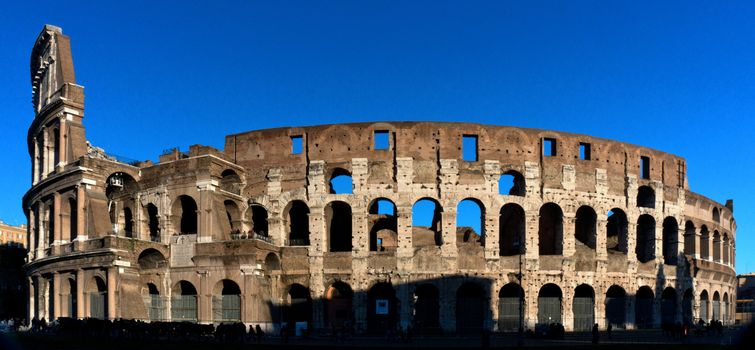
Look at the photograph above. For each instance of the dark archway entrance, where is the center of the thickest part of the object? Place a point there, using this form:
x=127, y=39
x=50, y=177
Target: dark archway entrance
x=583, y=307
x=616, y=306
x=427, y=309
x=470, y=308
x=338, y=305
x=510, y=303
x=668, y=307
x=643, y=308
x=299, y=312
x=382, y=308
x=549, y=304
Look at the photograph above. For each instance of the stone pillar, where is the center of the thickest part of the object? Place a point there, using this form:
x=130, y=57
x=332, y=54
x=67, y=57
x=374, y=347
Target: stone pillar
x=55, y=288
x=204, y=215
x=600, y=310
x=80, y=302
x=81, y=233
x=62, y=143
x=531, y=236
x=567, y=317
x=405, y=250
x=406, y=302
x=32, y=238
x=600, y=241
x=57, y=231
x=449, y=250
x=569, y=243
x=204, y=302
x=35, y=171
x=360, y=239
x=111, y=292
x=631, y=245
x=44, y=160
x=659, y=242
x=491, y=230
x=630, y=302
x=447, y=311
x=31, y=306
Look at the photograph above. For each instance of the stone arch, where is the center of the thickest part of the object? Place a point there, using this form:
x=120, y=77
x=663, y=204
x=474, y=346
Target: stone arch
x=643, y=308
x=690, y=239
x=726, y=247
x=383, y=225
x=338, y=219
x=153, y=302
x=226, y=301
x=549, y=304
x=470, y=211
x=426, y=223
x=551, y=230
x=716, y=306
x=704, y=243
x=185, y=213
x=120, y=190
x=299, y=308
x=183, y=302
x=616, y=306
x=583, y=307
x=688, y=302
x=233, y=222
x=670, y=241
x=645, y=247
x=617, y=232
x=69, y=292
x=151, y=258
x=668, y=307
x=338, y=304
x=716, y=215
x=510, y=306
x=382, y=308
x=231, y=182
x=716, y=246
x=645, y=197
x=272, y=262
x=340, y=182
x=470, y=308
x=726, y=309
x=427, y=308
x=704, y=306
x=512, y=226
x=512, y=183
x=153, y=222
x=297, y=222
x=97, y=290
x=257, y=217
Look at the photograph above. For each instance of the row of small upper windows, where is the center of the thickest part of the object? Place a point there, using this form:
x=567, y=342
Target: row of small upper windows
x=381, y=141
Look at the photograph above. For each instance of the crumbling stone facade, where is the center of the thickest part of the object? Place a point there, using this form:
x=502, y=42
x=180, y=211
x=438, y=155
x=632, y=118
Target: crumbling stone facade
x=601, y=231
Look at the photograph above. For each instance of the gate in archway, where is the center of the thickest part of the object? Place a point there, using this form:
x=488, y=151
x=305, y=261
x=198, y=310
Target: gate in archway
x=584, y=317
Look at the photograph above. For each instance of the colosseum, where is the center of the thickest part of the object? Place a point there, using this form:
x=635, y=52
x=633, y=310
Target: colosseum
x=356, y=225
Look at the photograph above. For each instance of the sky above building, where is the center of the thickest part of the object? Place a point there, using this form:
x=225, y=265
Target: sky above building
x=164, y=74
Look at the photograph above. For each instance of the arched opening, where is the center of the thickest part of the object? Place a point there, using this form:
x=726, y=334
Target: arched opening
x=716, y=216
x=257, y=214
x=120, y=189
x=716, y=246
x=670, y=241
x=668, y=307
x=69, y=292
x=154, y=303
x=617, y=232
x=688, y=301
x=341, y=182
x=585, y=228
x=226, y=302
x=470, y=308
x=583, y=307
x=128, y=222
x=382, y=308
x=97, y=298
x=427, y=309
x=616, y=306
x=549, y=304
x=645, y=197
x=297, y=214
x=232, y=224
x=153, y=223
x=470, y=223
x=725, y=309
x=689, y=239
x=510, y=307
x=383, y=225
x=152, y=259
x=551, y=230
x=512, y=230
x=272, y=263
x=69, y=219
x=183, y=302
x=643, y=308
x=645, y=248
x=185, y=213
x=725, y=259
x=716, y=307
x=704, y=243
x=426, y=223
x=338, y=305
x=338, y=218
x=512, y=183
x=230, y=182
x=704, y=306
x=299, y=312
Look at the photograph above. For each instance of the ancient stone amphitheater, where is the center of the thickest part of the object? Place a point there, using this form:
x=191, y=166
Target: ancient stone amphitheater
x=355, y=225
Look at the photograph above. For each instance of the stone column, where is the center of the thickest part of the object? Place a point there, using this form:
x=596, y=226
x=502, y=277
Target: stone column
x=35, y=171
x=449, y=250
x=31, y=306
x=204, y=295
x=659, y=242
x=204, y=215
x=31, y=242
x=569, y=243
x=600, y=310
x=111, y=291
x=406, y=302
x=80, y=302
x=57, y=236
x=567, y=317
x=360, y=239
x=405, y=250
x=62, y=143
x=44, y=161
x=81, y=233
x=491, y=231
x=531, y=235
x=55, y=291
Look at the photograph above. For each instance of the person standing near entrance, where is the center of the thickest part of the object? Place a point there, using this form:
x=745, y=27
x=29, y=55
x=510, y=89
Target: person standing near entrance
x=595, y=334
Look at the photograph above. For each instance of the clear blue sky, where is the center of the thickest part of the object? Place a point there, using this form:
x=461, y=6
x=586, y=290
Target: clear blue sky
x=672, y=76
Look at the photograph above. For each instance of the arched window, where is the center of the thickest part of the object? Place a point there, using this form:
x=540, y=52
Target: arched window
x=511, y=230
x=512, y=183
x=154, y=303
x=549, y=304
x=617, y=231
x=151, y=259
x=338, y=218
x=341, y=182
x=272, y=263
x=183, y=302
x=689, y=239
x=585, y=227
x=726, y=248
x=583, y=307
x=299, y=304
x=257, y=214
x=645, y=197
x=510, y=305
x=383, y=225
x=470, y=213
x=153, y=223
x=297, y=216
x=668, y=307
x=426, y=223
x=185, y=212
x=643, y=308
x=716, y=246
x=716, y=306
x=616, y=305
x=232, y=216
x=226, y=301
x=716, y=215
x=704, y=243
x=645, y=248
x=97, y=298
x=551, y=230
x=670, y=241
x=230, y=182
